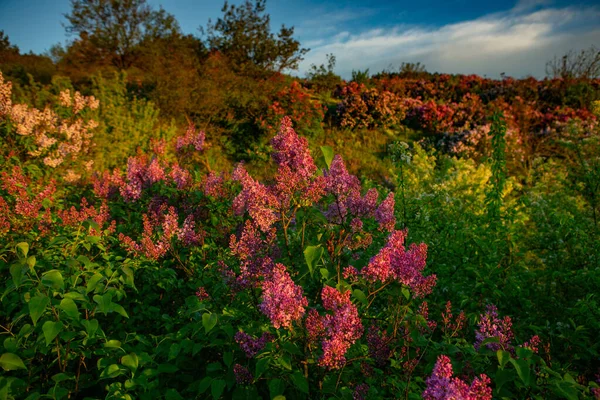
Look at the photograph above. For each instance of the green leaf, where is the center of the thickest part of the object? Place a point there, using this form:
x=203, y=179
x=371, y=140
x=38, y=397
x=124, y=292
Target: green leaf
x=405, y=292
x=93, y=282
x=209, y=321
x=111, y=371
x=327, y=155
x=228, y=358
x=204, y=384
x=522, y=368
x=70, y=308
x=91, y=326
x=23, y=248
x=31, y=262
x=360, y=296
x=131, y=361
x=503, y=376
x=17, y=272
x=261, y=366
x=285, y=361
x=503, y=357
x=51, y=330
x=324, y=273
x=312, y=254
x=37, y=306
x=112, y=344
x=276, y=388
x=119, y=309
x=216, y=388
x=104, y=302
x=11, y=362
x=173, y=394
x=53, y=279
x=300, y=381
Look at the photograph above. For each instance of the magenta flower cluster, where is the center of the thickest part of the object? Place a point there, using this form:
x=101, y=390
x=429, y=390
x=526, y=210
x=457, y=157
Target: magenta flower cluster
x=379, y=346
x=442, y=386
x=250, y=345
x=191, y=138
x=341, y=328
x=282, y=300
x=394, y=262
x=491, y=326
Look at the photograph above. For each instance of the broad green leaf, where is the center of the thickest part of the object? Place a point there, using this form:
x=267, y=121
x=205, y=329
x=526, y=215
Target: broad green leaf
x=93, y=282
x=51, y=330
x=209, y=321
x=173, y=394
x=23, y=248
x=503, y=376
x=522, y=368
x=216, y=388
x=104, y=302
x=360, y=296
x=70, y=308
x=312, y=254
x=327, y=155
x=276, y=388
x=31, y=262
x=11, y=362
x=91, y=326
x=37, y=306
x=131, y=361
x=503, y=357
x=17, y=272
x=53, y=279
x=119, y=309
x=111, y=371
x=11, y=344
x=228, y=358
x=405, y=292
x=113, y=344
x=261, y=366
x=324, y=273
x=204, y=384
x=300, y=381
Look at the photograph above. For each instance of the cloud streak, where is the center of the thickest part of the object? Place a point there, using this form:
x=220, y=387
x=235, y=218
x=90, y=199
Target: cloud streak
x=517, y=42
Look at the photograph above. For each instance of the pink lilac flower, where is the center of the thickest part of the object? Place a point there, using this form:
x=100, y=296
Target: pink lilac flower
x=282, y=299
x=181, y=177
x=490, y=326
x=191, y=138
x=188, y=234
x=339, y=182
x=533, y=343
x=314, y=325
x=442, y=386
x=350, y=273
x=254, y=253
x=242, y=375
x=394, y=262
x=342, y=327
x=250, y=345
x=213, y=185
x=155, y=172
x=384, y=214
x=292, y=151
x=360, y=392
x=379, y=346
x=201, y=294
x=256, y=198
x=363, y=206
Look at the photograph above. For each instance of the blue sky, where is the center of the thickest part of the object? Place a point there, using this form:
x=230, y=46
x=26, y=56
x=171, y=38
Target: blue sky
x=454, y=36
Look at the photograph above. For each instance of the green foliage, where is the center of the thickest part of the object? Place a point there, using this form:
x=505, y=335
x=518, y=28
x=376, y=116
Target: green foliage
x=244, y=36
x=125, y=123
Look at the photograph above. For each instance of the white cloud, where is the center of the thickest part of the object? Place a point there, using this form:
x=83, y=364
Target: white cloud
x=517, y=42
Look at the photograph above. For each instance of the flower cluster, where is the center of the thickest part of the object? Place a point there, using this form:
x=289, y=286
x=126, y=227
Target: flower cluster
x=55, y=139
x=379, y=346
x=282, y=300
x=491, y=326
x=394, y=262
x=252, y=346
x=191, y=138
x=442, y=386
x=242, y=375
x=341, y=328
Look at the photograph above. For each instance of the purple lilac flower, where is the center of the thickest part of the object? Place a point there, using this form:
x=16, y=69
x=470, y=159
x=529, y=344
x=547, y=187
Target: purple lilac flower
x=282, y=299
x=379, y=346
x=442, y=386
x=491, y=326
x=342, y=328
x=242, y=375
x=384, y=214
x=360, y=392
x=250, y=345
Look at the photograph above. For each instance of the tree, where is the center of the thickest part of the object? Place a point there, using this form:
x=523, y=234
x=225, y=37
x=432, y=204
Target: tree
x=116, y=27
x=244, y=35
x=576, y=65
